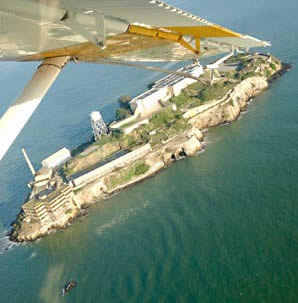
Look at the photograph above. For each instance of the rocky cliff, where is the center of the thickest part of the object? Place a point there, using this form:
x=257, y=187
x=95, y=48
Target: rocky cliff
x=230, y=108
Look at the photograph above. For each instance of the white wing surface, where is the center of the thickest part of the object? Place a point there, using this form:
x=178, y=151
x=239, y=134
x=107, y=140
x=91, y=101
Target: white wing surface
x=56, y=31
x=96, y=29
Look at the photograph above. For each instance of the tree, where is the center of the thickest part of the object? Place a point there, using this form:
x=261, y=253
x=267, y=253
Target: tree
x=122, y=113
x=124, y=101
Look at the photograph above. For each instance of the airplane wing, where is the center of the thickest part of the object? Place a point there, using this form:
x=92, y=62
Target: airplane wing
x=136, y=30
x=57, y=31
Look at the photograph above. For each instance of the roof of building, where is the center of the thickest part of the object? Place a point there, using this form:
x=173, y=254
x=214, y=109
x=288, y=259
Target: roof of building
x=44, y=173
x=57, y=157
x=33, y=203
x=167, y=81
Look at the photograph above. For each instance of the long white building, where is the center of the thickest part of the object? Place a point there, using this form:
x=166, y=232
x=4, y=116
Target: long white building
x=163, y=90
x=57, y=159
x=111, y=166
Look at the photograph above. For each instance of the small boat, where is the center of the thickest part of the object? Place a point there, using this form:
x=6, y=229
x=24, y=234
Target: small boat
x=68, y=286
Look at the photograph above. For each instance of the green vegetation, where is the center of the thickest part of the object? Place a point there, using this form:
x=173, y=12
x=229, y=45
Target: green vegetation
x=109, y=139
x=273, y=66
x=242, y=75
x=175, y=124
x=241, y=59
x=249, y=63
x=99, y=148
x=162, y=118
x=197, y=94
x=104, y=140
x=66, y=170
x=158, y=138
x=150, y=85
x=268, y=73
x=134, y=121
x=231, y=102
x=189, y=96
x=124, y=99
x=215, y=92
x=248, y=75
x=122, y=113
x=144, y=136
x=77, y=150
x=141, y=169
x=180, y=100
x=125, y=175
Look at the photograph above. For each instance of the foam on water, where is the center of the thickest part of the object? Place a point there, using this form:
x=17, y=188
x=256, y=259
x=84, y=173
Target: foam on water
x=5, y=243
x=100, y=230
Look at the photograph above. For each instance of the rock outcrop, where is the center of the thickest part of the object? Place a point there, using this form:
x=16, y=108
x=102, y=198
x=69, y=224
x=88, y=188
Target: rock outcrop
x=192, y=146
x=197, y=133
x=230, y=108
x=91, y=193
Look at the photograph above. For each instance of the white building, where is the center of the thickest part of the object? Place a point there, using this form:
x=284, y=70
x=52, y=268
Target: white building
x=57, y=159
x=111, y=166
x=163, y=90
x=149, y=101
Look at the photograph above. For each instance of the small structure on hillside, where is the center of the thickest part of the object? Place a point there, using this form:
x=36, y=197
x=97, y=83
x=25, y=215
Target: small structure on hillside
x=99, y=127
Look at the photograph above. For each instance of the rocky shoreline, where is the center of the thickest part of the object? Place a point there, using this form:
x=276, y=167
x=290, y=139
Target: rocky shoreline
x=285, y=67
x=185, y=144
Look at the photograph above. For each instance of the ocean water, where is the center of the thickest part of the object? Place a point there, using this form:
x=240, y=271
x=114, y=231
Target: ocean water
x=218, y=227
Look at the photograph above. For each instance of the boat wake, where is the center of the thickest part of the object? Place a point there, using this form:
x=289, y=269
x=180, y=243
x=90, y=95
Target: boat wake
x=123, y=217
x=33, y=255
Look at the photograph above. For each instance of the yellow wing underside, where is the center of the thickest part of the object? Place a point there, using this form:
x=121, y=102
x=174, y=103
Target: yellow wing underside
x=144, y=44
x=40, y=29
x=150, y=44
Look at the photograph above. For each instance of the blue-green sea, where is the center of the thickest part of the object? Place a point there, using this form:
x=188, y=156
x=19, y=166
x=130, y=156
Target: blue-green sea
x=220, y=227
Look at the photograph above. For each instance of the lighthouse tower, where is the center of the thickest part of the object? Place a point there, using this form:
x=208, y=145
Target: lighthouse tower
x=98, y=125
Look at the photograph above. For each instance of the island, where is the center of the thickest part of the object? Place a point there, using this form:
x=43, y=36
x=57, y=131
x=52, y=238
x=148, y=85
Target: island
x=153, y=130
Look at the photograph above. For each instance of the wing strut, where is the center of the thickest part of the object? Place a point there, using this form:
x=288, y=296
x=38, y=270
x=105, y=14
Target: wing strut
x=17, y=115
x=151, y=68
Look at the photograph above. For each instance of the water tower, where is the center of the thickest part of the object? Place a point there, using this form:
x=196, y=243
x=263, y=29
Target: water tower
x=98, y=125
